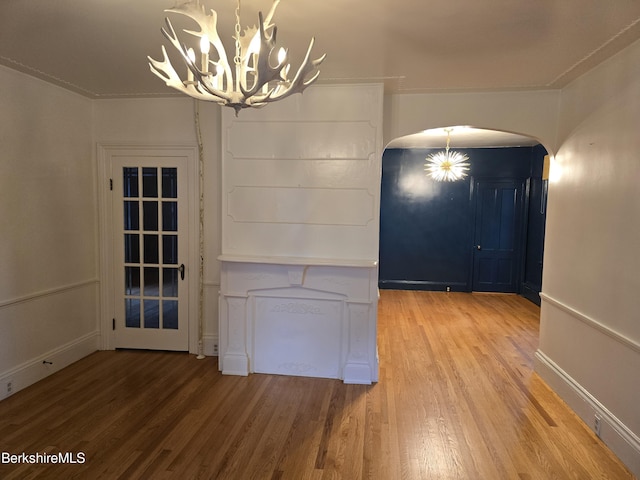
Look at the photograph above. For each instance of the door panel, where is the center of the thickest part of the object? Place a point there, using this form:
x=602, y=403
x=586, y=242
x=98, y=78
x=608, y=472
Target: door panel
x=499, y=212
x=150, y=229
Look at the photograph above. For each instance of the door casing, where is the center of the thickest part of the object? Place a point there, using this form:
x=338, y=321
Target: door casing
x=105, y=154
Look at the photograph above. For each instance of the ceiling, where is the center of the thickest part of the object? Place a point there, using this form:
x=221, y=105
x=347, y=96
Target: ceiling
x=99, y=48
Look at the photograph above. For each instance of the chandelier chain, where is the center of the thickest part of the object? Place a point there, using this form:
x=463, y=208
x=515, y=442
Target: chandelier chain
x=237, y=59
x=448, y=130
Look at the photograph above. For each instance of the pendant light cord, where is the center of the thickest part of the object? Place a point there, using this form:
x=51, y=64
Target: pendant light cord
x=196, y=110
x=448, y=130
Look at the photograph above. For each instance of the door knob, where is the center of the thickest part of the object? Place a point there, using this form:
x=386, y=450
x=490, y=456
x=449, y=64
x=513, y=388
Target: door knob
x=181, y=270
x=479, y=247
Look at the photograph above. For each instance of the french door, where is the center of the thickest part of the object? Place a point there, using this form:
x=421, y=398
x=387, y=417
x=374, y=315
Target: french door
x=150, y=252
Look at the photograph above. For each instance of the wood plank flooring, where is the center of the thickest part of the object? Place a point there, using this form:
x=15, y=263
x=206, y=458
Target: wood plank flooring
x=457, y=399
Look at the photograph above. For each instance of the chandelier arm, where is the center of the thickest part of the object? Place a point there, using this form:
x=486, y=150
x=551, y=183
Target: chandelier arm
x=182, y=48
x=264, y=72
x=272, y=11
x=298, y=84
x=172, y=79
x=246, y=39
x=202, y=86
x=208, y=24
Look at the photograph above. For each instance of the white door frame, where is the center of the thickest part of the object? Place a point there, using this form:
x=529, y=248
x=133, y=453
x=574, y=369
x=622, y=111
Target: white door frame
x=105, y=214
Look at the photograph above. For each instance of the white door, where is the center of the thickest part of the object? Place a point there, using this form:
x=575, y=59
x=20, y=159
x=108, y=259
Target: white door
x=150, y=252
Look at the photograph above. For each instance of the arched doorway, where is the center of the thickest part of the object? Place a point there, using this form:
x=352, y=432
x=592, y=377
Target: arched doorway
x=484, y=232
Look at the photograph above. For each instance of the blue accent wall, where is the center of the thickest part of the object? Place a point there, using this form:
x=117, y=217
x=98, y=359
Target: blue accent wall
x=427, y=227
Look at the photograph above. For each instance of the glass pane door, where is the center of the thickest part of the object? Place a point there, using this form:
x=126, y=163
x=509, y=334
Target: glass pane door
x=152, y=255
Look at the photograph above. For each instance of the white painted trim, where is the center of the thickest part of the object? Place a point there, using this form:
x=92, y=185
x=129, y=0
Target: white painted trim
x=35, y=370
x=615, y=434
x=592, y=323
x=193, y=179
x=306, y=261
x=105, y=214
x=48, y=293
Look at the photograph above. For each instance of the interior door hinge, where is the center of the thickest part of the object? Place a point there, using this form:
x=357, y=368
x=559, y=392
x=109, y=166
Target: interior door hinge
x=111, y=184
x=113, y=323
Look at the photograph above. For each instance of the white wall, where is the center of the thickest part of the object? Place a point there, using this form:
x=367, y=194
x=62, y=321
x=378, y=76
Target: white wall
x=171, y=121
x=590, y=323
x=532, y=113
x=49, y=278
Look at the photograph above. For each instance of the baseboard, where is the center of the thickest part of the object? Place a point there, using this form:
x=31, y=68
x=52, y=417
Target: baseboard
x=615, y=434
x=210, y=345
x=357, y=373
x=423, y=285
x=47, y=364
x=531, y=293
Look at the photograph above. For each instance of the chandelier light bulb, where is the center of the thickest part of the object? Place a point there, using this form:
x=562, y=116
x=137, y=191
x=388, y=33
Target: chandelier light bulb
x=205, y=45
x=192, y=55
x=254, y=46
x=282, y=55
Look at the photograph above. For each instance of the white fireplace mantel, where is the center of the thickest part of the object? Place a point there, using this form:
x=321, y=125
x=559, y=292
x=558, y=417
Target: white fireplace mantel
x=295, y=316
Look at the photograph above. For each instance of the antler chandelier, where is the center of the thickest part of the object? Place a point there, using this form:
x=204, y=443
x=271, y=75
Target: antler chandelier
x=258, y=76
x=447, y=166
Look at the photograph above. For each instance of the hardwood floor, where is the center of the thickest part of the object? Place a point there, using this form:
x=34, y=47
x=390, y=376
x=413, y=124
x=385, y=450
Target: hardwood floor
x=457, y=399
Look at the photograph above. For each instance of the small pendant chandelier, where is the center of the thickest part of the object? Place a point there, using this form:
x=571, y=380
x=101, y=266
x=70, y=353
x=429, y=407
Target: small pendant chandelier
x=258, y=77
x=447, y=166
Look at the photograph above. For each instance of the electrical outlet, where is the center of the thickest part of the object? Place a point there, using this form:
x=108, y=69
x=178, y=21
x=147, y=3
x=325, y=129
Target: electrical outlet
x=215, y=349
x=7, y=388
x=597, y=424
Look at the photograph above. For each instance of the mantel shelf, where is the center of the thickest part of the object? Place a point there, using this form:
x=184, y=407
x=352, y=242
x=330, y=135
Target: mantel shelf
x=306, y=261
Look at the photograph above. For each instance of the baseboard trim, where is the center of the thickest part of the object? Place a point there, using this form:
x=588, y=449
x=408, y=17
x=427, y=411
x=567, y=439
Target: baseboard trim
x=531, y=292
x=49, y=363
x=423, y=285
x=615, y=434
